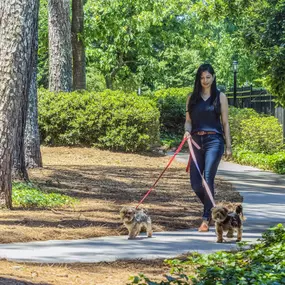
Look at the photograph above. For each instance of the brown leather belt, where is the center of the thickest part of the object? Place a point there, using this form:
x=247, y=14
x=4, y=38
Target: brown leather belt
x=202, y=133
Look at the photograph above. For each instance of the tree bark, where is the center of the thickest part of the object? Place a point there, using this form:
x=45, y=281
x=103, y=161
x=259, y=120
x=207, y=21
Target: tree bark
x=33, y=156
x=17, y=29
x=78, y=49
x=109, y=82
x=60, y=51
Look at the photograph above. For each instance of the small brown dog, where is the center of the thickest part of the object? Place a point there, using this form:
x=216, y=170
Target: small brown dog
x=136, y=219
x=228, y=221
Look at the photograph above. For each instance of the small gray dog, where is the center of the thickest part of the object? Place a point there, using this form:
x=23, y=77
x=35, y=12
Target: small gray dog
x=136, y=219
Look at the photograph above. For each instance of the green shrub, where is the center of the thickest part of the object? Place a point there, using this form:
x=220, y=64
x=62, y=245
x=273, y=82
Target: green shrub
x=236, y=116
x=263, y=263
x=263, y=134
x=28, y=196
x=255, y=132
x=274, y=162
x=171, y=103
x=109, y=119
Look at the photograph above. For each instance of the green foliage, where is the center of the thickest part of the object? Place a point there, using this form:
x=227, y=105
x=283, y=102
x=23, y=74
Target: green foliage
x=263, y=263
x=42, y=74
x=257, y=140
x=274, y=162
x=28, y=196
x=110, y=119
x=134, y=43
x=263, y=32
x=255, y=132
x=160, y=44
x=263, y=134
x=169, y=141
x=236, y=116
x=171, y=103
x=95, y=81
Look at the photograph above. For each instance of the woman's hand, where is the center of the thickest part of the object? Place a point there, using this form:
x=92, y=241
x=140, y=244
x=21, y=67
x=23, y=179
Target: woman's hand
x=187, y=134
x=228, y=152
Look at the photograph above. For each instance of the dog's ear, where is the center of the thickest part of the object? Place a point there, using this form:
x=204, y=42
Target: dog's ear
x=145, y=210
x=123, y=210
x=226, y=210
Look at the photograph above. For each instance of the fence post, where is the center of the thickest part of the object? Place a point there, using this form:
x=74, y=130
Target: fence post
x=250, y=104
x=280, y=115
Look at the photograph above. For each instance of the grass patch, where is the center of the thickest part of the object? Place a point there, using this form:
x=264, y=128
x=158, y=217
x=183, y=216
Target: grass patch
x=29, y=196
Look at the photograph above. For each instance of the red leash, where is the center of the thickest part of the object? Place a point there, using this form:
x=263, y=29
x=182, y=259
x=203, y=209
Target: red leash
x=191, y=155
x=170, y=161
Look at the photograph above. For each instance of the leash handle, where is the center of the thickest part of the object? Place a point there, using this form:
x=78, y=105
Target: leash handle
x=170, y=161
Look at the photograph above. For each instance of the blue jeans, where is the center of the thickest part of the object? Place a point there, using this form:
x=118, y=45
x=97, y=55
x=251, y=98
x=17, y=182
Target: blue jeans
x=208, y=159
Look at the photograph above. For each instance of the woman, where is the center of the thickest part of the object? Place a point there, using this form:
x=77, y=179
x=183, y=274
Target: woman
x=207, y=124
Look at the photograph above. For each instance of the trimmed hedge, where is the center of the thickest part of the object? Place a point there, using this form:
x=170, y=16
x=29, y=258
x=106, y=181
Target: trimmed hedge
x=236, y=117
x=255, y=132
x=262, y=135
x=257, y=140
x=110, y=119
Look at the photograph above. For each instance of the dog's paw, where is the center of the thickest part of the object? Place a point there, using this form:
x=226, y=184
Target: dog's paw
x=238, y=240
x=219, y=240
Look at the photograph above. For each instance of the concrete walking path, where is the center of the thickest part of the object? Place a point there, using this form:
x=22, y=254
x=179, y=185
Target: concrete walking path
x=264, y=206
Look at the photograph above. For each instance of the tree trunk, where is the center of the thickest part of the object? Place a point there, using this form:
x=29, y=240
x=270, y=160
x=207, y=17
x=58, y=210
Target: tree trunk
x=33, y=156
x=60, y=51
x=17, y=29
x=109, y=82
x=78, y=49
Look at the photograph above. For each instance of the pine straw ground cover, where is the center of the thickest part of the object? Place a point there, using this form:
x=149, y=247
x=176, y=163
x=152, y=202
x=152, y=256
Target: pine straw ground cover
x=103, y=182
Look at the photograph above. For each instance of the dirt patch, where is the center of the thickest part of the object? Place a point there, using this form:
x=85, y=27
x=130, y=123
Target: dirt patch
x=115, y=273
x=103, y=182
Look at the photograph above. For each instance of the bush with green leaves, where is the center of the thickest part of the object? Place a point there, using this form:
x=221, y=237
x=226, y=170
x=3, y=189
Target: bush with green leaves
x=263, y=263
x=29, y=196
x=236, y=117
x=274, y=162
x=255, y=132
x=262, y=135
x=171, y=103
x=110, y=119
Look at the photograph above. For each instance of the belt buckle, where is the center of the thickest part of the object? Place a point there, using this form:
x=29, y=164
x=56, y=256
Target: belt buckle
x=201, y=133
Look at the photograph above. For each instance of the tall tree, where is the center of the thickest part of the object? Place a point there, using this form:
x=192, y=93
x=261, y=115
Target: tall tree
x=129, y=40
x=263, y=32
x=60, y=49
x=18, y=23
x=33, y=156
x=78, y=49
x=27, y=148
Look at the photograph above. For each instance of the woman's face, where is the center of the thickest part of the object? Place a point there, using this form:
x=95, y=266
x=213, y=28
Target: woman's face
x=207, y=79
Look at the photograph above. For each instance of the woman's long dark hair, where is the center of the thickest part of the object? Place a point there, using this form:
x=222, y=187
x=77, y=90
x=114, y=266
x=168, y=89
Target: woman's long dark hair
x=196, y=94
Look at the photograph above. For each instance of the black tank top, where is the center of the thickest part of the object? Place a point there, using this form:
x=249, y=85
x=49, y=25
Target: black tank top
x=206, y=116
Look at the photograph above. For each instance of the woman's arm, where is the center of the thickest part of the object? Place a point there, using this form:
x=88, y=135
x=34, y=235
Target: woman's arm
x=225, y=122
x=188, y=124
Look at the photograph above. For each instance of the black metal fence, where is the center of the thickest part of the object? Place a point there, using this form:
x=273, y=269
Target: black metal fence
x=258, y=99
